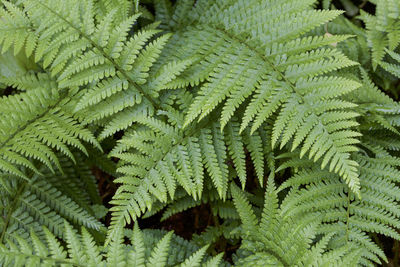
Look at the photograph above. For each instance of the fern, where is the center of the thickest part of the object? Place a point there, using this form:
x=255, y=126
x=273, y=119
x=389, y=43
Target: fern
x=34, y=125
x=383, y=30
x=104, y=58
x=279, y=240
x=270, y=71
x=161, y=147
x=184, y=103
x=81, y=250
x=317, y=192
x=393, y=68
x=48, y=200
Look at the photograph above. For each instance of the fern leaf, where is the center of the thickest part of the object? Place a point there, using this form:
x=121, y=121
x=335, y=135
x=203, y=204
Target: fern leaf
x=115, y=251
x=52, y=253
x=92, y=251
x=196, y=258
x=366, y=214
x=160, y=252
x=286, y=82
x=280, y=239
x=138, y=242
x=244, y=209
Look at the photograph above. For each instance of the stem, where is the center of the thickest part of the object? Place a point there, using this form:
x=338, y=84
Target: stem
x=363, y=4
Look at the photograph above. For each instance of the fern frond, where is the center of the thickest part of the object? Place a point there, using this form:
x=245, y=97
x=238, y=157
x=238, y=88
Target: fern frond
x=393, y=68
x=189, y=104
x=261, y=62
x=82, y=250
x=152, y=166
x=16, y=30
x=81, y=50
x=47, y=200
x=33, y=126
x=282, y=240
x=126, y=8
x=383, y=29
x=316, y=192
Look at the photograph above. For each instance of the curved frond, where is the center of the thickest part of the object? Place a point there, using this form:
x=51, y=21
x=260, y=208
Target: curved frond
x=255, y=56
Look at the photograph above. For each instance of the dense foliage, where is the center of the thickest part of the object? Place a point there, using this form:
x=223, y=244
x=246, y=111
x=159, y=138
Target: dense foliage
x=277, y=118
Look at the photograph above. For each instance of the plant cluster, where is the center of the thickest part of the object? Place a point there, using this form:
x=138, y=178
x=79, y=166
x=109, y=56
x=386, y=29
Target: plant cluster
x=279, y=116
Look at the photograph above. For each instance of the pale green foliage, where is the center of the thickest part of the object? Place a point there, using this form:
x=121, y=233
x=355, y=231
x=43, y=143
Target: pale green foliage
x=281, y=240
x=383, y=30
x=34, y=125
x=254, y=60
x=48, y=200
x=393, y=68
x=157, y=155
x=191, y=100
x=328, y=198
x=81, y=250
